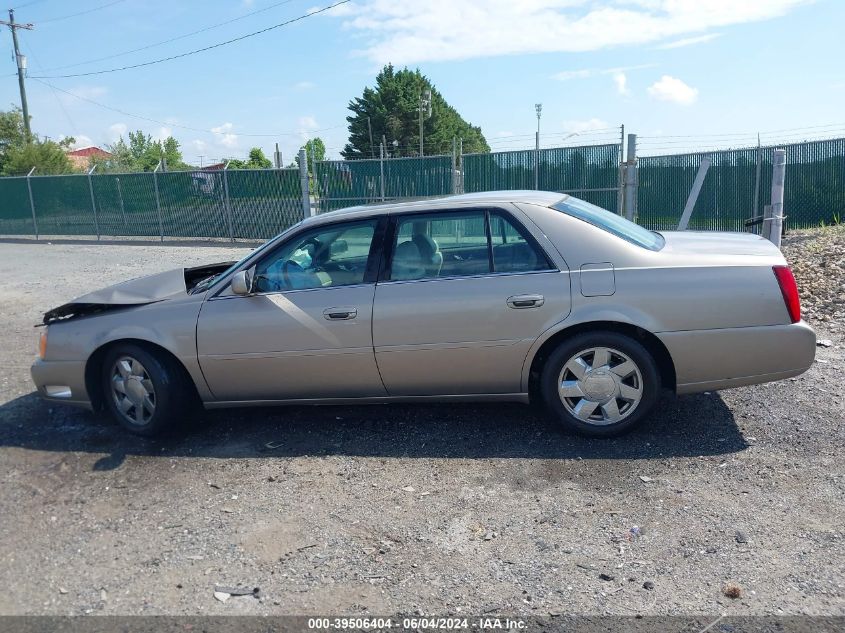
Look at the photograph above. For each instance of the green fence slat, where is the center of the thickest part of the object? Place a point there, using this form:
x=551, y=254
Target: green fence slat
x=348, y=183
x=264, y=203
x=15, y=210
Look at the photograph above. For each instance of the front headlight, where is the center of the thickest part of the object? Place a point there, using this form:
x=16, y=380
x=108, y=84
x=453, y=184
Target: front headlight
x=42, y=344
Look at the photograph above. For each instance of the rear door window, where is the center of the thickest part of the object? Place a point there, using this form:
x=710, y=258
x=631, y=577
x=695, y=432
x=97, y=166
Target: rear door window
x=513, y=252
x=440, y=245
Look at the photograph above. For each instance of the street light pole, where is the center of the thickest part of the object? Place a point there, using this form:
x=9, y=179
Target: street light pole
x=21, y=63
x=538, y=107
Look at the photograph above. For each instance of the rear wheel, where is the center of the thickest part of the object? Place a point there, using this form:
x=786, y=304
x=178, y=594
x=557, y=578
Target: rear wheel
x=600, y=383
x=146, y=393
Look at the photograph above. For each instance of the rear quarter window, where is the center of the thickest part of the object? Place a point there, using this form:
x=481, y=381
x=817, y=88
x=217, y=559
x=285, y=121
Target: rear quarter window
x=610, y=222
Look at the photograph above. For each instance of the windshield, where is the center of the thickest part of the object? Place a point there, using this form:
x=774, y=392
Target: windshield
x=610, y=222
x=206, y=283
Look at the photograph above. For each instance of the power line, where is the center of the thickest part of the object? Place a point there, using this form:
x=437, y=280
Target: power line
x=73, y=15
x=172, y=39
x=199, y=50
x=177, y=125
x=26, y=4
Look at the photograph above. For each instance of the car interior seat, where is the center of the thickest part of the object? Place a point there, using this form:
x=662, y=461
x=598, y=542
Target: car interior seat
x=407, y=262
x=430, y=253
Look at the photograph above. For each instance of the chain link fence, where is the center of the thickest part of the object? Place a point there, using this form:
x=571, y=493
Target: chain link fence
x=590, y=172
x=341, y=183
x=201, y=204
x=257, y=204
x=738, y=186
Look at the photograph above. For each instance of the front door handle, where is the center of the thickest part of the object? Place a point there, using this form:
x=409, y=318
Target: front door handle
x=520, y=302
x=340, y=314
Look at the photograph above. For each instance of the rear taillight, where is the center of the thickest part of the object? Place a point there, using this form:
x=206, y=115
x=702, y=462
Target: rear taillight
x=789, y=290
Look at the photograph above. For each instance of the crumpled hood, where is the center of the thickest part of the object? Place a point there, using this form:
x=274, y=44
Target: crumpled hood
x=139, y=291
x=135, y=292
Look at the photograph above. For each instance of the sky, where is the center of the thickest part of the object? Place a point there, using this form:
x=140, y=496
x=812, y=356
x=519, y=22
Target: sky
x=681, y=74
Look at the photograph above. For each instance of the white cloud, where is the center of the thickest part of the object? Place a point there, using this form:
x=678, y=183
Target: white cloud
x=621, y=82
x=82, y=141
x=575, y=127
x=566, y=75
x=162, y=133
x=583, y=73
x=116, y=130
x=225, y=136
x=307, y=127
x=689, y=41
x=408, y=31
x=669, y=88
x=336, y=12
x=301, y=86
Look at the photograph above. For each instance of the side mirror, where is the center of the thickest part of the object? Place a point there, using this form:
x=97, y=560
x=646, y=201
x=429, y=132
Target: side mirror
x=242, y=282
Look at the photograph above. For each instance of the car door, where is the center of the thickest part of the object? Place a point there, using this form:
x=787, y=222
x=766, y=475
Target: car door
x=306, y=330
x=463, y=297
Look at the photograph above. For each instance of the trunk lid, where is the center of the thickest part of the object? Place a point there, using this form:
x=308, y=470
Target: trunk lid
x=712, y=243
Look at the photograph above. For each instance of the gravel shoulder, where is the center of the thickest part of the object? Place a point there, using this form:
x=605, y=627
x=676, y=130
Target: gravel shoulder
x=459, y=509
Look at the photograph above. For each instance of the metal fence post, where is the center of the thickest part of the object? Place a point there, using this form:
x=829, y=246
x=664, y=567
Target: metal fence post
x=381, y=167
x=620, y=195
x=631, y=180
x=227, y=202
x=461, y=165
x=303, y=181
x=120, y=199
x=454, y=165
x=32, y=201
x=693, y=194
x=158, y=202
x=93, y=201
x=778, y=181
x=314, y=178
x=757, y=182
x=766, y=226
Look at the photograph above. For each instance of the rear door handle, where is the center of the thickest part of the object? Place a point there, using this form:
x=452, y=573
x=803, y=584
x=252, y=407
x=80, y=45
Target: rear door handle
x=520, y=302
x=340, y=314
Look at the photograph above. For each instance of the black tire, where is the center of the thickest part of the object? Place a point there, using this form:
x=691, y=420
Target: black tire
x=172, y=397
x=647, y=381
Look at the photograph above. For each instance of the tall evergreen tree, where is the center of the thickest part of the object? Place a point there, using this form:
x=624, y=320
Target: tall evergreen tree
x=392, y=107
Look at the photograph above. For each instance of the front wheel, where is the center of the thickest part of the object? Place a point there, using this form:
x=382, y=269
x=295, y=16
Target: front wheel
x=145, y=392
x=600, y=383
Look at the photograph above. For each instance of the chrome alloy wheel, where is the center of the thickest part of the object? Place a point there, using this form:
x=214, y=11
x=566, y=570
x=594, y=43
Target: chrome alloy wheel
x=132, y=390
x=600, y=385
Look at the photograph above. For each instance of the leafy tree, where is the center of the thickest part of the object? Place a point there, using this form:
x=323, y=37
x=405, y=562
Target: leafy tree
x=48, y=157
x=393, y=111
x=12, y=132
x=256, y=160
x=18, y=156
x=315, y=149
x=142, y=153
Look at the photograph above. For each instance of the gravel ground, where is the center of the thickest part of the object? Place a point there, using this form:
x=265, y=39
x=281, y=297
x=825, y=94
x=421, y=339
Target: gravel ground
x=434, y=509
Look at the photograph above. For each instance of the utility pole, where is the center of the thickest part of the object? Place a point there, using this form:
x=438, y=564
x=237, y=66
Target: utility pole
x=425, y=106
x=21, y=62
x=370, y=130
x=277, y=157
x=538, y=107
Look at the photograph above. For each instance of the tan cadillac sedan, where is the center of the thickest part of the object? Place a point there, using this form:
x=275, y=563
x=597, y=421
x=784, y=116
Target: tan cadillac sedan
x=504, y=296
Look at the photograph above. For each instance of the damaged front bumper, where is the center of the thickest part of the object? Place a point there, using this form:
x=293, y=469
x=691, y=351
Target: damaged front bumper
x=61, y=381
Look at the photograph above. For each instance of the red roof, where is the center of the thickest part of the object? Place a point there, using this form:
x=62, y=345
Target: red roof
x=87, y=152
